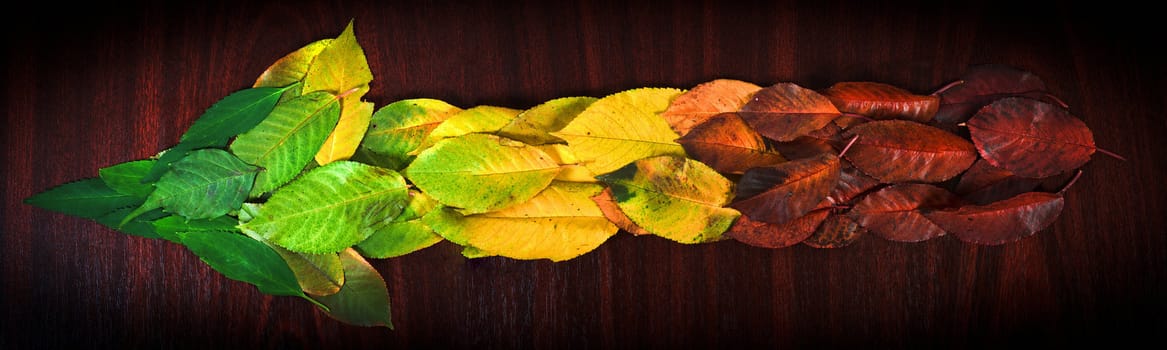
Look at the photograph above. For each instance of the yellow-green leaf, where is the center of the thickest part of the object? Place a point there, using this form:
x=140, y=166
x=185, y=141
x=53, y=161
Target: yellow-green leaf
x=284, y=143
x=354, y=121
x=398, y=128
x=480, y=119
x=621, y=128
x=317, y=274
x=560, y=223
x=481, y=173
x=405, y=234
x=340, y=67
x=533, y=126
x=291, y=68
x=364, y=298
x=675, y=198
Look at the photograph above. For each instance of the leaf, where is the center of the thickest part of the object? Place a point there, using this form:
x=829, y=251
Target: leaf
x=89, y=198
x=397, y=129
x=174, y=228
x=206, y=184
x=291, y=68
x=534, y=126
x=767, y=235
x=479, y=119
x=340, y=67
x=246, y=260
x=983, y=84
x=330, y=208
x=405, y=234
x=481, y=173
x=569, y=168
x=350, y=128
x=234, y=114
x=707, y=100
x=836, y=231
x=904, y=151
x=882, y=101
x=560, y=223
x=897, y=212
x=611, y=210
x=674, y=197
x=780, y=193
x=1031, y=138
x=728, y=145
x=852, y=183
x=621, y=128
x=126, y=178
x=141, y=226
x=287, y=140
x=786, y=111
x=364, y=298
x=984, y=183
x=317, y=274
x=1001, y=222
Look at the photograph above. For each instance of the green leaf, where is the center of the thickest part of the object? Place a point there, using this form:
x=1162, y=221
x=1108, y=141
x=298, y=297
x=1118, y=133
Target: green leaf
x=126, y=178
x=397, y=129
x=291, y=68
x=89, y=198
x=674, y=197
x=206, y=184
x=560, y=223
x=340, y=67
x=364, y=298
x=330, y=208
x=234, y=114
x=621, y=128
x=405, y=234
x=285, y=142
x=481, y=173
x=173, y=227
x=534, y=125
x=141, y=226
x=479, y=119
x=243, y=259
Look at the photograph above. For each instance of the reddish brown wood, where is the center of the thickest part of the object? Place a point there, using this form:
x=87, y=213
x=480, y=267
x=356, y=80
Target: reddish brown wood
x=88, y=86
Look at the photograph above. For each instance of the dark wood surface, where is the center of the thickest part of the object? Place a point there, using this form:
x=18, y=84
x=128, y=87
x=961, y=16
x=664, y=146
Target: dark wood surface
x=88, y=86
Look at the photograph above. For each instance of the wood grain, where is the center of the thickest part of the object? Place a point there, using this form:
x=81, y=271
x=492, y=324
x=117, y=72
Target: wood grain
x=88, y=86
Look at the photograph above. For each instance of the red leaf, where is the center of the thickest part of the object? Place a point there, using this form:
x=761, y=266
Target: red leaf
x=882, y=101
x=836, y=231
x=984, y=183
x=1031, y=138
x=780, y=193
x=608, y=206
x=905, y=151
x=1003, y=221
x=851, y=184
x=767, y=235
x=728, y=145
x=895, y=212
x=786, y=111
x=707, y=100
x=982, y=85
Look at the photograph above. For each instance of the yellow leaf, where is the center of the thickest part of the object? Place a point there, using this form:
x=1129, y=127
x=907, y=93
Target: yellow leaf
x=675, y=198
x=340, y=67
x=291, y=69
x=560, y=223
x=621, y=128
x=354, y=121
x=480, y=119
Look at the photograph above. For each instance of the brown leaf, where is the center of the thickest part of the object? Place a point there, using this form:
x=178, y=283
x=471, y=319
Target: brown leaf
x=707, y=100
x=786, y=111
x=896, y=212
x=882, y=101
x=728, y=145
x=612, y=211
x=836, y=231
x=852, y=183
x=768, y=235
x=1031, y=138
x=1003, y=221
x=984, y=183
x=982, y=85
x=780, y=193
x=905, y=151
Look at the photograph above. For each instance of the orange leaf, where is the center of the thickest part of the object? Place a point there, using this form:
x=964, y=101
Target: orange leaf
x=728, y=145
x=767, y=235
x=707, y=100
x=882, y=101
x=786, y=111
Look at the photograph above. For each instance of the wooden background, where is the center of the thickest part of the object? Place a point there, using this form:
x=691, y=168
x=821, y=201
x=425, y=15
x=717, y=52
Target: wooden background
x=88, y=86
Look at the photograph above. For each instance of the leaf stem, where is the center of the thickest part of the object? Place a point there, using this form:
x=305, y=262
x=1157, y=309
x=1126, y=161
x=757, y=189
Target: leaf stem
x=852, y=142
x=944, y=88
x=1071, y=183
x=1109, y=153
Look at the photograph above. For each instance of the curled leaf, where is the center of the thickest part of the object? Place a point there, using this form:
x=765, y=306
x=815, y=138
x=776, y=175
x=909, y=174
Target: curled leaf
x=897, y=212
x=707, y=100
x=882, y=101
x=621, y=128
x=904, y=151
x=674, y=197
x=780, y=193
x=1003, y=221
x=1031, y=138
x=728, y=145
x=785, y=111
